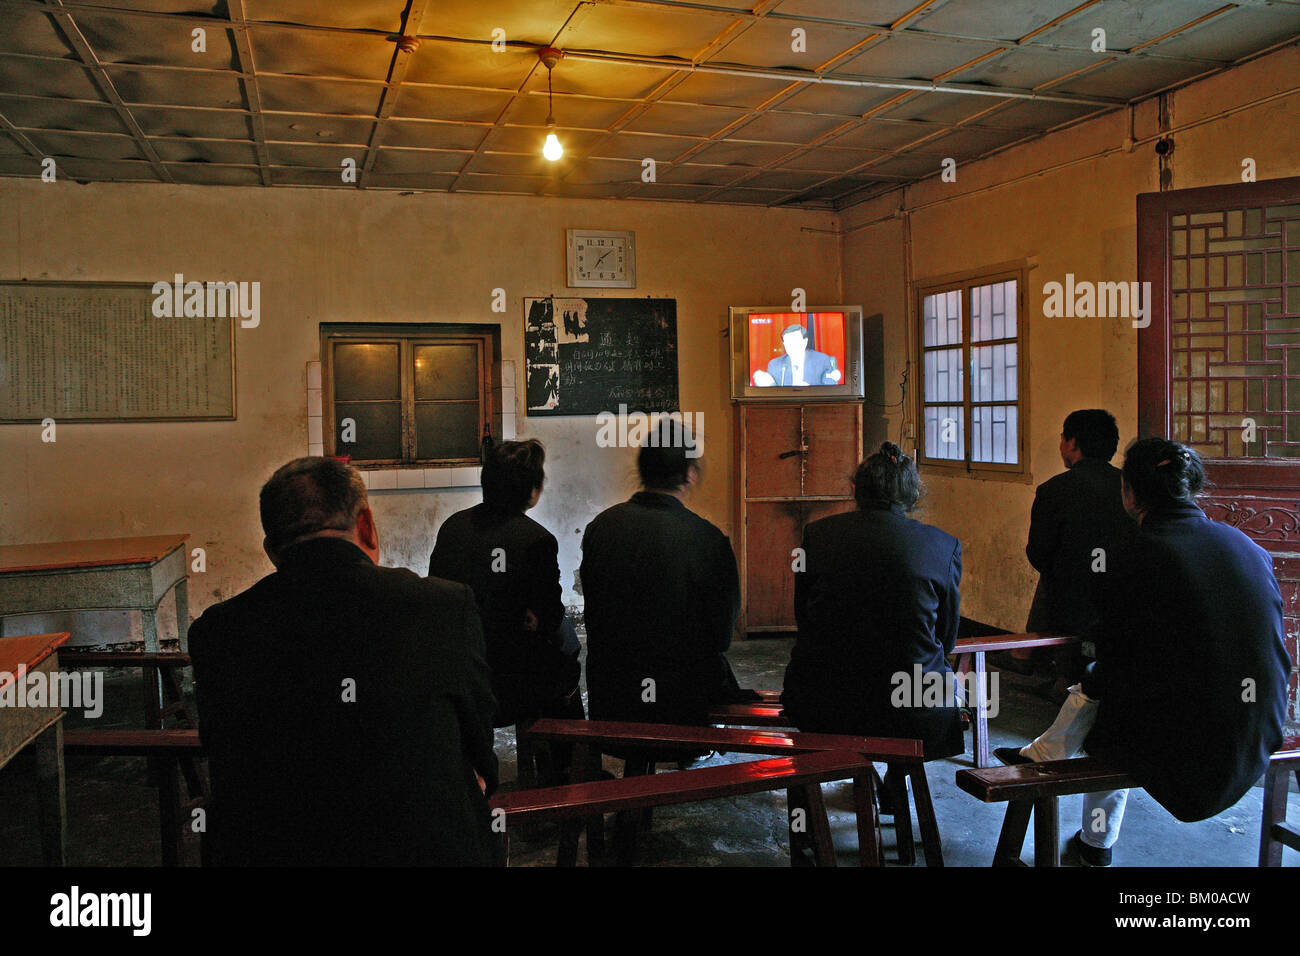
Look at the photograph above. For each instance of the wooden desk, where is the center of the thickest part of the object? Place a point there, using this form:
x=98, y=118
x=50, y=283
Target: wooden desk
x=42, y=728
x=115, y=574
x=970, y=653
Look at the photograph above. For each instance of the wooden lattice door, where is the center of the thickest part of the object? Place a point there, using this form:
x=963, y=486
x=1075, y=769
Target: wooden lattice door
x=1219, y=363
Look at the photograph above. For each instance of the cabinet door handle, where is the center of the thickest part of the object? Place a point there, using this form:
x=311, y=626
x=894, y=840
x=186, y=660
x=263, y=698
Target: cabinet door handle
x=791, y=454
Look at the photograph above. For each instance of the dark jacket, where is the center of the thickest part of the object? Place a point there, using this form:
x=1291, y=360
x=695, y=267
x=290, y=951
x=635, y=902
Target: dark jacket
x=662, y=594
x=510, y=561
x=1191, y=671
x=878, y=598
x=1074, y=513
x=816, y=366
x=302, y=776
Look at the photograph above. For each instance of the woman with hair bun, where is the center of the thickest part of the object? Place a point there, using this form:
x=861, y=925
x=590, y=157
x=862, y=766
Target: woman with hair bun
x=877, y=607
x=511, y=563
x=1188, y=693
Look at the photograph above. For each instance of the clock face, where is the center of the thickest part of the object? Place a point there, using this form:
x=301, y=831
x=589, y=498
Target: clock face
x=601, y=259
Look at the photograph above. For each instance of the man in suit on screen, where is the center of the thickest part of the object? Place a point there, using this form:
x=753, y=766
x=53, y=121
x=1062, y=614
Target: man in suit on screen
x=799, y=365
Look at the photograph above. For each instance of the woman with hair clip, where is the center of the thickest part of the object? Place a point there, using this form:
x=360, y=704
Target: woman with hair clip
x=511, y=563
x=1188, y=693
x=877, y=607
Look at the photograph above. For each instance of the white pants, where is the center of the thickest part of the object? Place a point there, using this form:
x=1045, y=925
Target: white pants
x=1103, y=812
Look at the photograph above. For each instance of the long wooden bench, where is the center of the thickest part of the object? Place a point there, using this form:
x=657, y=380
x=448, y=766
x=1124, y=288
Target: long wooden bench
x=802, y=774
x=1274, y=830
x=1032, y=789
x=167, y=751
x=907, y=755
x=769, y=712
x=970, y=654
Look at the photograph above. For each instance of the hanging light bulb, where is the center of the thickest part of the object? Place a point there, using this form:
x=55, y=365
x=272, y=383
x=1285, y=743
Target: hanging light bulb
x=552, y=149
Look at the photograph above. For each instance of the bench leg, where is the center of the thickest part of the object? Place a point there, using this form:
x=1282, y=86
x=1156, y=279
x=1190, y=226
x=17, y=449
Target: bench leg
x=980, y=719
x=819, y=827
x=801, y=844
x=169, y=805
x=629, y=820
x=1012, y=838
x=925, y=817
x=896, y=784
x=864, y=803
x=1047, y=833
x=1275, y=788
x=51, y=795
x=525, y=756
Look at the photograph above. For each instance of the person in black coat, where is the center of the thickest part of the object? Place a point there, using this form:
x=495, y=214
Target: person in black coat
x=510, y=561
x=662, y=594
x=877, y=603
x=1188, y=693
x=345, y=708
x=1074, y=514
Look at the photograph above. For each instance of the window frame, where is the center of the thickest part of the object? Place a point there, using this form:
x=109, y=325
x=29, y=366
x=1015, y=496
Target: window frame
x=408, y=337
x=963, y=282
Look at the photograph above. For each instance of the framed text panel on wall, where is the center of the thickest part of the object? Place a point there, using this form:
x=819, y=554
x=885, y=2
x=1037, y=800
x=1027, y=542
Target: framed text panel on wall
x=96, y=352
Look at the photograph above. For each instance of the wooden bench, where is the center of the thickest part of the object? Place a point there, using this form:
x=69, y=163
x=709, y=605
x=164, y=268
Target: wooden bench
x=1274, y=830
x=166, y=750
x=1033, y=789
x=970, y=654
x=803, y=774
x=907, y=755
x=769, y=712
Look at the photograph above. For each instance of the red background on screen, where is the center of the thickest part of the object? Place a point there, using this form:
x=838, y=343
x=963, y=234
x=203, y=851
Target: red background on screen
x=825, y=328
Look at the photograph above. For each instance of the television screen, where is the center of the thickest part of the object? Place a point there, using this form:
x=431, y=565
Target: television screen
x=781, y=355
x=796, y=348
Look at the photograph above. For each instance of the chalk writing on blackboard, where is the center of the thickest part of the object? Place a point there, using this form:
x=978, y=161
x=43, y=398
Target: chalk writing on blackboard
x=586, y=356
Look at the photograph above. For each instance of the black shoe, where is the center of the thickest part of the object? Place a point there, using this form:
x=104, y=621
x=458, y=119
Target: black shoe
x=1084, y=854
x=1010, y=756
x=1050, y=690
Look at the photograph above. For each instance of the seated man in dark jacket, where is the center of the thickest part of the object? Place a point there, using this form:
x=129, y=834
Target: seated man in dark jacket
x=345, y=707
x=511, y=562
x=662, y=594
x=1188, y=693
x=878, y=607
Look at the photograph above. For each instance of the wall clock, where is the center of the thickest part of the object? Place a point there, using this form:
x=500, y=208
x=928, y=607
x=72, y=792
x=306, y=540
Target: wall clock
x=601, y=259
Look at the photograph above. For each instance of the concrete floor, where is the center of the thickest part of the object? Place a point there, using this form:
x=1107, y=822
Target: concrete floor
x=113, y=816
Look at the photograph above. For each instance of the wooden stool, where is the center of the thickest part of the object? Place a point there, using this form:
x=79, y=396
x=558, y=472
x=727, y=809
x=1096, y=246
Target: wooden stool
x=1274, y=831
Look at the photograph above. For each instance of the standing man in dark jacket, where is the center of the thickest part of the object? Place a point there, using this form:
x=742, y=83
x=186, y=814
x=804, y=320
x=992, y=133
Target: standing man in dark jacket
x=345, y=707
x=662, y=594
x=1077, y=520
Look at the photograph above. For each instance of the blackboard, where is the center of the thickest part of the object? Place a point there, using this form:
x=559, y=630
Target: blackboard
x=587, y=356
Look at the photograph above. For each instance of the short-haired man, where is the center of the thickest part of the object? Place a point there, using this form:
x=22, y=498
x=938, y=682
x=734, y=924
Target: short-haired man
x=799, y=365
x=1078, y=520
x=345, y=708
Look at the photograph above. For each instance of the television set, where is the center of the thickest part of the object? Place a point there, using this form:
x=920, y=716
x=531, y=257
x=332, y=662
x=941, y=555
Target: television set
x=780, y=355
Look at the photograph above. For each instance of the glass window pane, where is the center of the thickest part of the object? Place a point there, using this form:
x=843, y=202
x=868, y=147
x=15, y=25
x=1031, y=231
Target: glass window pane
x=943, y=376
x=993, y=311
x=367, y=372
x=446, y=431
x=942, y=318
x=446, y=372
x=995, y=436
x=375, y=430
x=943, y=432
x=993, y=373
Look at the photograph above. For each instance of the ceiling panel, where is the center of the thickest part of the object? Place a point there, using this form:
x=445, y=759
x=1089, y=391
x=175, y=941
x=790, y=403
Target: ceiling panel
x=466, y=117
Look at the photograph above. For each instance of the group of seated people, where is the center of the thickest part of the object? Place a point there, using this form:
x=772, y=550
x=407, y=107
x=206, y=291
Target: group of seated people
x=348, y=709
